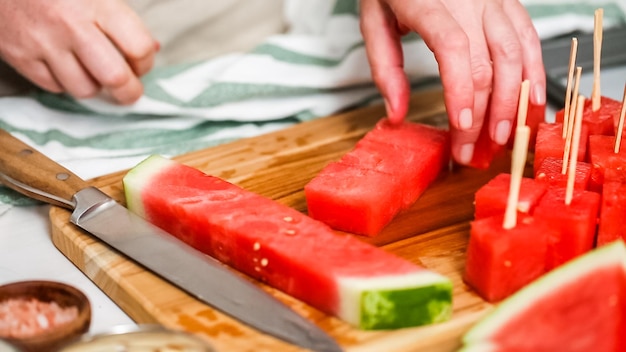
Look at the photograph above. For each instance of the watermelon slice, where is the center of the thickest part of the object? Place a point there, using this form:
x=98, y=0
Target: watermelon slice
x=386, y=172
x=273, y=243
x=578, y=307
x=575, y=224
x=550, y=173
x=501, y=261
x=491, y=198
x=550, y=143
x=601, y=122
x=613, y=208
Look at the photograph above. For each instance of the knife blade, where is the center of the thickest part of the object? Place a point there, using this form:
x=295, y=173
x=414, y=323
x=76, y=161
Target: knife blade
x=29, y=172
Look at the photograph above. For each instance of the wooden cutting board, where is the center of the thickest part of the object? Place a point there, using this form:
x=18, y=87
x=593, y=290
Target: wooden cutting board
x=432, y=233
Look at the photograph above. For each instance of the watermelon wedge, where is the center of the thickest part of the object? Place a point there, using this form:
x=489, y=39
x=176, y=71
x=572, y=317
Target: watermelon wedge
x=386, y=172
x=275, y=244
x=578, y=307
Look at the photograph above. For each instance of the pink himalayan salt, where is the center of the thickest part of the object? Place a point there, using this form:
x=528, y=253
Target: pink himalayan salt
x=20, y=318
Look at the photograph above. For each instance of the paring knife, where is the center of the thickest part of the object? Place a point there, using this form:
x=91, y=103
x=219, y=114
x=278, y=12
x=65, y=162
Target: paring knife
x=27, y=171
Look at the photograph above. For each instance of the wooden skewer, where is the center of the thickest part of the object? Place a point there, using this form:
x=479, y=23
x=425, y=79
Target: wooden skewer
x=571, y=176
x=620, y=125
x=597, y=53
x=518, y=159
x=570, y=123
x=568, y=91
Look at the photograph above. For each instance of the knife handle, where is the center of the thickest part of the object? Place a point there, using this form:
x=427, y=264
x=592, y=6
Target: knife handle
x=31, y=173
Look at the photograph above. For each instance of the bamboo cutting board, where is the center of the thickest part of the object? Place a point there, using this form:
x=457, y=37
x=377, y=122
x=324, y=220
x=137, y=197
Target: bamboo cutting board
x=432, y=233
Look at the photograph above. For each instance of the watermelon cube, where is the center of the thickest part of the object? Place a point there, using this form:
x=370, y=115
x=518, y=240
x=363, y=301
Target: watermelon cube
x=577, y=307
x=550, y=172
x=275, y=244
x=535, y=116
x=613, y=208
x=485, y=149
x=601, y=122
x=385, y=173
x=575, y=224
x=499, y=261
x=491, y=199
x=550, y=143
x=602, y=156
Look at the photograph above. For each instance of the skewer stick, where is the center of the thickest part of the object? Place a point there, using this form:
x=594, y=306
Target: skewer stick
x=570, y=122
x=571, y=176
x=620, y=125
x=518, y=159
x=568, y=91
x=597, y=53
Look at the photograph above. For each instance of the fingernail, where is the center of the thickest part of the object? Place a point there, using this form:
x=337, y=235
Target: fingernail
x=503, y=130
x=466, y=153
x=539, y=94
x=465, y=119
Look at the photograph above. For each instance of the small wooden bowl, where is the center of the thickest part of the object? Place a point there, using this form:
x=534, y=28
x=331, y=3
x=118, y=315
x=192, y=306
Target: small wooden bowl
x=50, y=291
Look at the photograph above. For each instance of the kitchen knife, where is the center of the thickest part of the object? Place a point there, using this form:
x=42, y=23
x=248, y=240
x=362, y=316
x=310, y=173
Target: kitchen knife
x=27, y=171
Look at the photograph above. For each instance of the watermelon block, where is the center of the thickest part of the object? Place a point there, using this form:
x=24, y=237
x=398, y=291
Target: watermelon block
x=601, y=122
x=578, y=307
x=613, y=208
x=485, y=149
x=499, y=261
x=550, y=173
x=550, y=143
x=275, y=244
x=491, y=199
x=601, y=157
x=386, y=172
x=575, y=224
x=535, y=116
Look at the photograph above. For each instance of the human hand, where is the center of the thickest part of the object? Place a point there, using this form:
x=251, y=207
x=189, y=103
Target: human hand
x=77, y=46
x=484, y=48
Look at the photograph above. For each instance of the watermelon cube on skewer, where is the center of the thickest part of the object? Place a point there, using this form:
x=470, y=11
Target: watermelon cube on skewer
x=574, y=223
x=602, y=156
x=550, y=143
x=501, y=261
x=600, y=122
x=337, y=274
x=550, y=172
x=491, y=199
x=613, y=208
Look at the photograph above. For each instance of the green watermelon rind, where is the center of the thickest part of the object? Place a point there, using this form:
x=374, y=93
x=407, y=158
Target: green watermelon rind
x=606, y=256
x=372, y=303
x=412, y=299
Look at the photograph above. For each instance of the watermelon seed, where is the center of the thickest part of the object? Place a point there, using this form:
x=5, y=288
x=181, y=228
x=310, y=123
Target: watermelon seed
x=257, y=269
x=264, y=262
x=256, y=246
x=290, y=232
x=288, y=218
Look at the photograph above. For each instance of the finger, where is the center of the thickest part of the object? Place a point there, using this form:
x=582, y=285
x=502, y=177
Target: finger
x=38, y=72
x=72, y=76
x=445, y=37
x=533, y=67
x=107, y=66
x=126, y=30
x=384, y=51
x=506, y=53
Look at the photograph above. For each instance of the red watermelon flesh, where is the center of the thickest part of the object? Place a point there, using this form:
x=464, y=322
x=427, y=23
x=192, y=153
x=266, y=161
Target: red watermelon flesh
x=550, y=143
x=387, y=171
x=491, y=198
x=342, y=197
x=499, y=261
x=550, y=173
x=485, y=149
x=575, y=224
x=578, y=307
x=613, y=208
x=273, y=243
x=601, y=122
x=602, y=156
